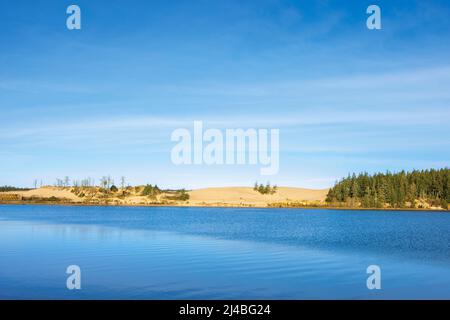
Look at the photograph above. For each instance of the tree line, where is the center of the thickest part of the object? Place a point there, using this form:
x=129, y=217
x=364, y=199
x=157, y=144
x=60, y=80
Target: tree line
x=11, y=188
x=396, y=190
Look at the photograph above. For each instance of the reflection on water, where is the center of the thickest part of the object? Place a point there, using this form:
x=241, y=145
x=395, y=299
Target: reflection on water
x=185, y=253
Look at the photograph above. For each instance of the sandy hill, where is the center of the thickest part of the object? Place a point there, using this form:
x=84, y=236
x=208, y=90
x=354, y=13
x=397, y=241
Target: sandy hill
x=248, y=196
x=48, y=192
x=226, y=196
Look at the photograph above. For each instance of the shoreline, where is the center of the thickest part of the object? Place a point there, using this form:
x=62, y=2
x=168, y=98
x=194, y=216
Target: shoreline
x=71, y=204
x=215, y=197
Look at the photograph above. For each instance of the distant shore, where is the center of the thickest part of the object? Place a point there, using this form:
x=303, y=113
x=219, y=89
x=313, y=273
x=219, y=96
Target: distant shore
x=71, y=204
x=224, y=197
x=148, y=195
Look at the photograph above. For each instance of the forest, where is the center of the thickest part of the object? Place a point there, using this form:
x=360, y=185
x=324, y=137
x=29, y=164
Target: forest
x=415, y=189
x=11, y=188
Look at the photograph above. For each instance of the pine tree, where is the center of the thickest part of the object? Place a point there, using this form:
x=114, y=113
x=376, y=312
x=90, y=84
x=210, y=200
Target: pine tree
x=394, y=189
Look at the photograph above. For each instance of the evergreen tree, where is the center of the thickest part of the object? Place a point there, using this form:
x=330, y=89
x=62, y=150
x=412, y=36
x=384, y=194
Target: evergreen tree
x=393, y=189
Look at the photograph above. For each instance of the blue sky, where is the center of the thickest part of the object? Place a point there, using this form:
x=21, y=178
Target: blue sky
x=105, y=99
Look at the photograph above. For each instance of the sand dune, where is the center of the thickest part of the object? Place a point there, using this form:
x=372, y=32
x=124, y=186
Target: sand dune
x=48, y=192
x=226, y=196
x=248, y=196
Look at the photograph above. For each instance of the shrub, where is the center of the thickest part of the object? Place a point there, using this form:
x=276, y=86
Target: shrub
x=267, y=189
x=150, y=190
x=180, y=195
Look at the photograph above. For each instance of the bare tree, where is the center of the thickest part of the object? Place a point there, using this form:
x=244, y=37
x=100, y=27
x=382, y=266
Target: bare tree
x=110, y=181
x=59, y=182
x=66, y=181
x=86, y=182
x=122, y=182
x=35, y=183
x=104, y=182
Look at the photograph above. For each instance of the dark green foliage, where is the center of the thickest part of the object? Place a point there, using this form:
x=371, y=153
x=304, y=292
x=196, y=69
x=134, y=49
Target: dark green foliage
x=393, y=189
x=180, y=195
x=184, y=196
x=113, y=188
x=265, y=189
x=10, y=188
x=151, y=191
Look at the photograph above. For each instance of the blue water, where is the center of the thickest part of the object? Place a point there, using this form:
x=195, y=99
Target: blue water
x=222, y=253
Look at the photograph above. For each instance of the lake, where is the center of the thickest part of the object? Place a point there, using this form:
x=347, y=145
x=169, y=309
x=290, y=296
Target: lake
x=222, y=253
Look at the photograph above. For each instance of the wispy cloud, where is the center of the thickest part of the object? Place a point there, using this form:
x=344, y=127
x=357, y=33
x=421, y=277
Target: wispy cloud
x=433, y=80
